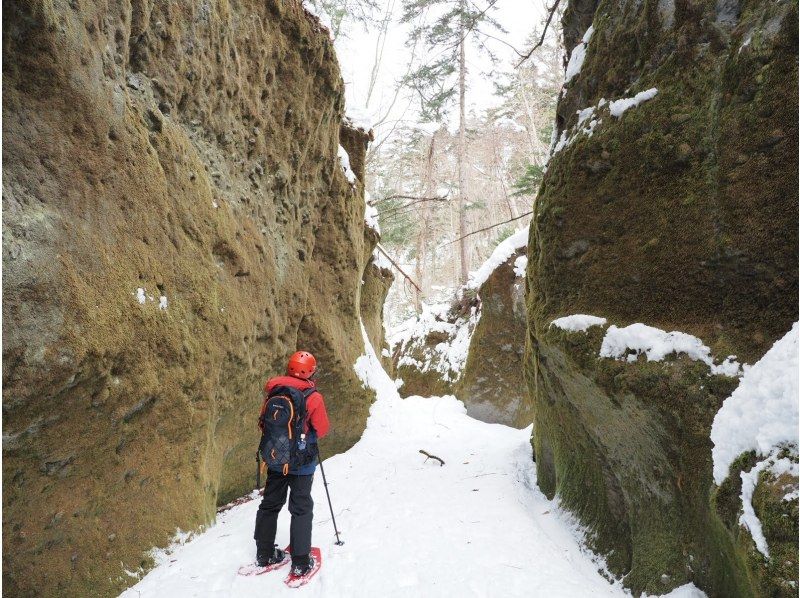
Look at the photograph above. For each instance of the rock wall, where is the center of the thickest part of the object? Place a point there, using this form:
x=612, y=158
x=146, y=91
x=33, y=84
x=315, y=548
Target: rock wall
x=176, y=222
x=492, y=385
x=377, y=281
x=681, y=213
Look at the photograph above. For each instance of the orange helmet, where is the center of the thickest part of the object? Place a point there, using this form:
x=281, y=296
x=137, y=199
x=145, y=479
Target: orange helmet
x=302, y=365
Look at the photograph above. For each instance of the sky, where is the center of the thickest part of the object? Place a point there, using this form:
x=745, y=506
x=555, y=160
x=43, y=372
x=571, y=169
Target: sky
x=356, y=52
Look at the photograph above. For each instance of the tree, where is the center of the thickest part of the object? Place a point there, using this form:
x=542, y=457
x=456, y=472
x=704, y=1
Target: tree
x=443, y=76
x=342, y=12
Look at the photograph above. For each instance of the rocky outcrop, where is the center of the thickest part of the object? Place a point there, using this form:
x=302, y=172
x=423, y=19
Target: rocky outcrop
x=429, y=357
x=492, y=385
x=671, y=199
x=176, y=222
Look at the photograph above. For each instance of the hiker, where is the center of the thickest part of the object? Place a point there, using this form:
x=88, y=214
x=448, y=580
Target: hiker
x=292, y=419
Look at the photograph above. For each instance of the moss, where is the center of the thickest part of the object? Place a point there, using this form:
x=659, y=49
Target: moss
x=492, y=384
x=206, y=173
x=625, y=446
x=727, y=498
x=694, y=202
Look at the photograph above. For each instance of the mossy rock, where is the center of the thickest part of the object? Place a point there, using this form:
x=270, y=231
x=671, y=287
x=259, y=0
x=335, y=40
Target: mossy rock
x=680, y=214
x=206, y=173
x=492, y=385
x=424, y=370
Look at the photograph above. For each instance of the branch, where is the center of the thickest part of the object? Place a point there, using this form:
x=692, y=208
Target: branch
x=480, y=230
x=541, y=39
x=414, y=197
x=429, y=456
x=399, y=269
x=408, y=207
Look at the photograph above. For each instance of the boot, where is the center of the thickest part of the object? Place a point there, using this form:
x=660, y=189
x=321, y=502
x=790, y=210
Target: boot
x=266, y=558
x=301, y=565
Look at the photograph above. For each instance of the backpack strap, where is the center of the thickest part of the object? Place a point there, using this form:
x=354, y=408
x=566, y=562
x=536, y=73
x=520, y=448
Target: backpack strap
x=306, y=394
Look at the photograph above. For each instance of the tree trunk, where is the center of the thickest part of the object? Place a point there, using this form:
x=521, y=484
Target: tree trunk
x=424, y=228
x=462, y=149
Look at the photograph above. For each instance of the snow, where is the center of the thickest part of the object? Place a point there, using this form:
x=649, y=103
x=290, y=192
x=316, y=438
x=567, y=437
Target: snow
x=578, y=55
x=520, y=264
x=583, y=115
x=140, y=296
x=688, y=590
x=411, y=527
x=162, y=302
x=656, y=344
x=777, y=467
x=763, y=411
x=504, y=250
x=344, y=160
x=618, y=107
x=359, y=118
x=448, y=357
x=506, y=121
x=578, y=322
x=380, y=260
x=371, y=214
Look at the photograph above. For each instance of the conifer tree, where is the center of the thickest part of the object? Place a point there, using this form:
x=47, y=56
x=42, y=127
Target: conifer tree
x=446, y=28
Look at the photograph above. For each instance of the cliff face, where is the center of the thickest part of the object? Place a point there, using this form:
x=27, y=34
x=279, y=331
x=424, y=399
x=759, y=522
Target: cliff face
x=176, y=222
x=671, y=200
x=492, y=385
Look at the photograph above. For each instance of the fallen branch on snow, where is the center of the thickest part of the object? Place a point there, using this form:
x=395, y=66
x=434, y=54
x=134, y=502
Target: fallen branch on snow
x=429, y=456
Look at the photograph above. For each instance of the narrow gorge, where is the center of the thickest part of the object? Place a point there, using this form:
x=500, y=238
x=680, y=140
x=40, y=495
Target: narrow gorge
x=184, y=207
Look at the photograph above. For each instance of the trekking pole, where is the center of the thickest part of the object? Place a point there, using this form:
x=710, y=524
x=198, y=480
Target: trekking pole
x=325, y=482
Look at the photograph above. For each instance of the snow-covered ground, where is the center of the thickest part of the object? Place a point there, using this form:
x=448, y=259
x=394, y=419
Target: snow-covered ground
x=477, y=526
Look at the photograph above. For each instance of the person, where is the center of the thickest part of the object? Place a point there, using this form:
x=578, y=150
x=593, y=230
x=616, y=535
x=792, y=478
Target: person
x=301, y=368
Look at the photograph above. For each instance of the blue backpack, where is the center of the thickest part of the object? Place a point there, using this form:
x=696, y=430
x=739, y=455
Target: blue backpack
x=284, y=445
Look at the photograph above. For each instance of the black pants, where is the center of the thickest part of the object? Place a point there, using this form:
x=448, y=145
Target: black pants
x=301, y=507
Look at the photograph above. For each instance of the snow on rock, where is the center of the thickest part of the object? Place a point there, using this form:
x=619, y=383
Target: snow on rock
x=447, y=358
x=344, y=160
x=520, y=265
x=566, y=140
x=407, y=521
x=578, y=55
x=777, y=467
x=359, y=118
x=763, y=411
x=618, y=107
x=371, y=214
x=688, y=590
x=380, y=260
x=656, y=344
x=369, y=370
x=615, y=107
x=578, y=322
x=504, y=250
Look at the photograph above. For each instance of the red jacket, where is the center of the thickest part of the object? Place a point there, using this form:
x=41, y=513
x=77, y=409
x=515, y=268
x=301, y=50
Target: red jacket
x=315, y=405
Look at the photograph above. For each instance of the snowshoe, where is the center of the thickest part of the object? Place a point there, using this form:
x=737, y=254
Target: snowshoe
x=264, y=565
x=301, y=575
